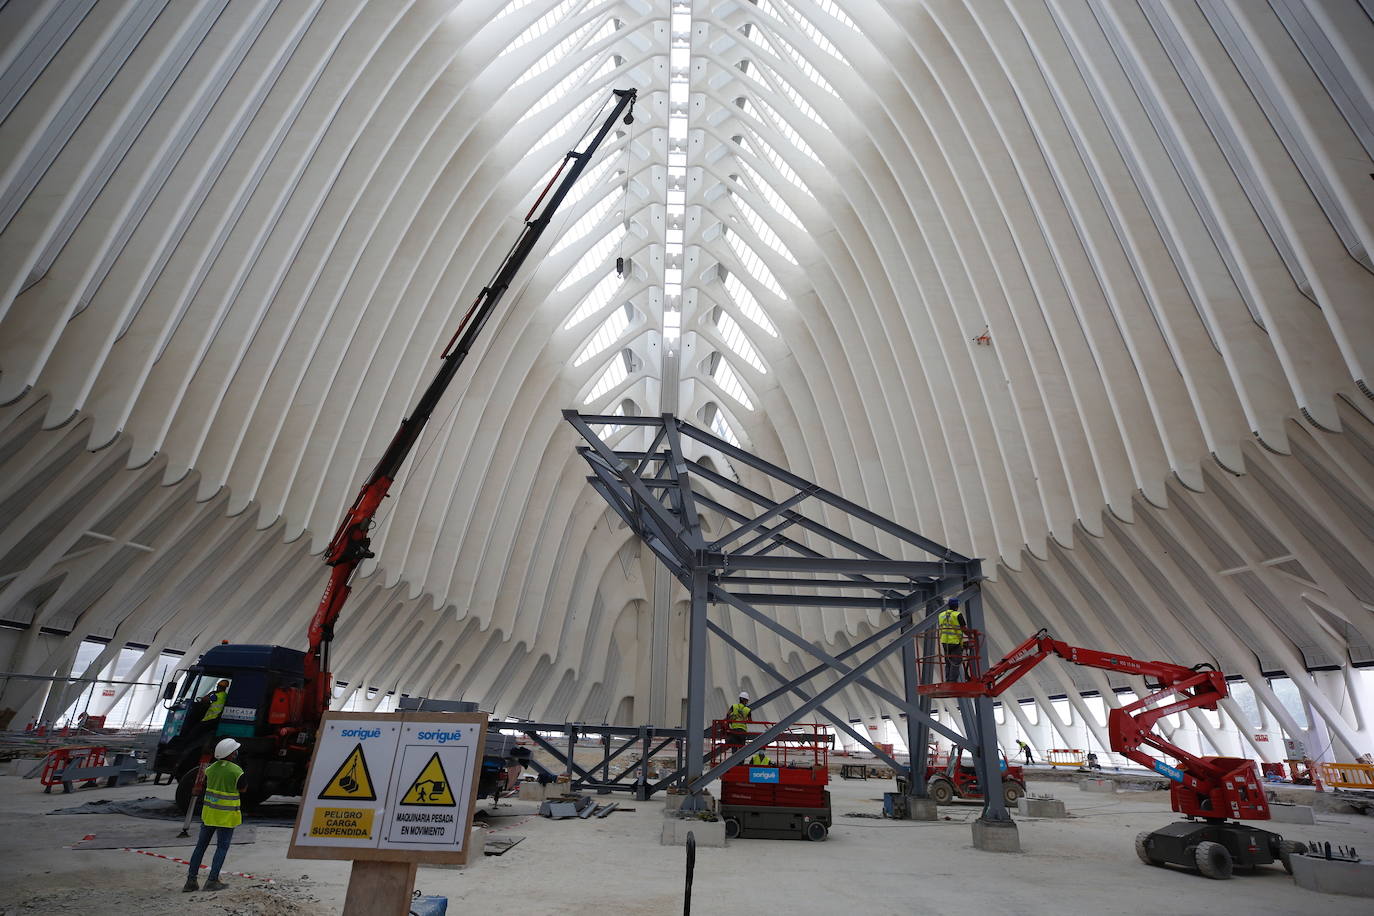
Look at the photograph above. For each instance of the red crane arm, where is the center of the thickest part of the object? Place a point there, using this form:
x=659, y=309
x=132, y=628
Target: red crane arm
x=1131, y=726
x=352, y=541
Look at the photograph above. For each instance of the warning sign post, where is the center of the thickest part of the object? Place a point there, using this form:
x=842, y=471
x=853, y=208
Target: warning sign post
x=399, y=787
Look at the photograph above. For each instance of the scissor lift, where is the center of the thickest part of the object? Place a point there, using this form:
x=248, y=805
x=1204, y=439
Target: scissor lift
x=785, y=801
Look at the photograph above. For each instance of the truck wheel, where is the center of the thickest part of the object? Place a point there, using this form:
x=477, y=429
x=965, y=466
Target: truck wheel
x=1288, y=849
x=1011, y=791
x=732, y=828
x=1213, y=860
x=1142, y=848
x=816, y=831
x=940, y=791
x=186, y=785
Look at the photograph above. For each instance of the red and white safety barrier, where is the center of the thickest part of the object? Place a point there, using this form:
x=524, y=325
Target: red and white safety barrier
x=158, y=855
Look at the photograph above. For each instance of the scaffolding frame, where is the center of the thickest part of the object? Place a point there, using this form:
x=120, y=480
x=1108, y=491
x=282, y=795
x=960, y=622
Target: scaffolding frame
x=660, y=492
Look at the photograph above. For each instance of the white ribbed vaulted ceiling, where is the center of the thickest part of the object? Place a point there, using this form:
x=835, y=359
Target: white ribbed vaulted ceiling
x=236, y=234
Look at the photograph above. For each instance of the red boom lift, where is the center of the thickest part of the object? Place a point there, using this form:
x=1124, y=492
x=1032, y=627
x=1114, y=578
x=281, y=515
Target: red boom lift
x=277, y=695
x=1212, y=793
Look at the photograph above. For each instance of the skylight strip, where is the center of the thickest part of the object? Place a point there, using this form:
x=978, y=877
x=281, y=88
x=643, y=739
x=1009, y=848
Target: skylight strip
x=540, y=26
x=753, y=264
x=815, y=34
x=747, y=304
x=831, y=7
x=737, y=340
x=588, y=222
x=605, y=336
x=570, y=120
x=779, y=163
x=797, y=99
x=762, y=229
x=594, y=258
x=774, y=200
x=722, y=428
x=729, y=383
x=788, y=131
x=595, y=300
x=805, y=66
x=557, y=53
x=614, y=374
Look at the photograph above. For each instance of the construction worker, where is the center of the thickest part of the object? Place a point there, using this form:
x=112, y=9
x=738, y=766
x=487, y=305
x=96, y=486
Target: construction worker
x=216, y=700
x=219, y=814
x=737, y=732
x=760, y=760
x=1024, y=748
x=951, y=628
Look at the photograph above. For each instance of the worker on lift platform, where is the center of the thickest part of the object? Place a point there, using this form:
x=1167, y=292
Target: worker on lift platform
x=951, y=627
x=737, y=732
x=760, y=760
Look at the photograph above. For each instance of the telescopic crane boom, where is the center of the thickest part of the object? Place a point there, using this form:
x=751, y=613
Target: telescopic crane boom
x=351, y=544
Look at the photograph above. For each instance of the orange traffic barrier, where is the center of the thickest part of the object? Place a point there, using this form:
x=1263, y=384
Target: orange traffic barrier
x=1347, y=775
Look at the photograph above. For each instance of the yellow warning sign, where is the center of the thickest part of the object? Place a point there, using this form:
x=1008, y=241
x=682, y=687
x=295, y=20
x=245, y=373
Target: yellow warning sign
x=342, y=823
x=351, y=781
x=431, y=787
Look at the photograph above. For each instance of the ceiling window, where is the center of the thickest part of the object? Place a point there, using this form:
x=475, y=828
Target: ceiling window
x=753, y=264
x=615, y=374
x=600, y=296
x=606, y=335
x=747, y=304
x=762, y=229
x=594, y=258
x=737, y=340
x=588, y=222
x=725, y=377
x=765, y=190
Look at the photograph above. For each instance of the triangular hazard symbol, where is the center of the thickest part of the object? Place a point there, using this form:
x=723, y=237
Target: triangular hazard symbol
x=351, y=781
x=431, y=787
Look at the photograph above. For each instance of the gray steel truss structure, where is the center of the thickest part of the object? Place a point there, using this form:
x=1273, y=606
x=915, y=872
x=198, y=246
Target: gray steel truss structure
x=770, y=551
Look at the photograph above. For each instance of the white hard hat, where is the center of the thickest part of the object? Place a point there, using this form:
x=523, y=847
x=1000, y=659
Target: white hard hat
x=225, y=747
x=744, y=694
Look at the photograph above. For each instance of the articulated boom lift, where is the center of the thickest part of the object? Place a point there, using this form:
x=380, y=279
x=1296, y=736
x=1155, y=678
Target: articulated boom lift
x=276, y=695
x=1206, y=790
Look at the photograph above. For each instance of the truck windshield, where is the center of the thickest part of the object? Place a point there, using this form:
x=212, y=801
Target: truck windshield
x=202, y=685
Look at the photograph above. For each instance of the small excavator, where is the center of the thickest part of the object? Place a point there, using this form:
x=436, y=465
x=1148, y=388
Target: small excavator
x=1214, y=794
x=277, y=695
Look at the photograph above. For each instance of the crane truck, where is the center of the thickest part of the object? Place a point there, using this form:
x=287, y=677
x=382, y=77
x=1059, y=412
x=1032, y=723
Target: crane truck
x=1214, y=794
x=277, y=695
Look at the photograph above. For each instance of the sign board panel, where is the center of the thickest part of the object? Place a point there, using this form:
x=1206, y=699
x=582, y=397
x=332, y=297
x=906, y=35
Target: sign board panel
x=394, y=787
x=763, y=774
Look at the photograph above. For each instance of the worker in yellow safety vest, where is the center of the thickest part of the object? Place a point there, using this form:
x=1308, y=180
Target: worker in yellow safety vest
x=760, y=760
x=951, y=629
x=219, y=814
x=736, y=717
x=217, y=699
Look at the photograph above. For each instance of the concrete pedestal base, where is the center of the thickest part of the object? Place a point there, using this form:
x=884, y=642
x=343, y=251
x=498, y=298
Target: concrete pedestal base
x=1097, y=785
x=533, y=791
x=703, y=802
x=922, y=809
x=1354, y=879
x=1291, y=814
x=1041, y=807
x=996, y=836
x=706, y=833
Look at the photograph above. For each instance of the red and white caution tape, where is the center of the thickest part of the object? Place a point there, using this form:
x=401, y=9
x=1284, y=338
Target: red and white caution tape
x=158, y=855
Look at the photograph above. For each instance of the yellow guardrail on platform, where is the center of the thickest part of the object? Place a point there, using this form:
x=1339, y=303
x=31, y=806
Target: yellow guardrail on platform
x=1346, y=775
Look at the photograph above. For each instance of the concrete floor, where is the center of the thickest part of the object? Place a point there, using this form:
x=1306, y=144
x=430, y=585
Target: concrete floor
x=615, y=866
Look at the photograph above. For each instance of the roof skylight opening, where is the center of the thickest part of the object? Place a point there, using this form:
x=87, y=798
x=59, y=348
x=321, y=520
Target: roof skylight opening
x=510, y=7
x=748, y=304
x=615, y=373
x=594, y=258
x=540, y=26
x=785, y=127
x=762, y=229
x=815, y=34
x=753, y=264
x=715, y=420
x=607, y=334
x=774, y=200
x=806, y=67
x=776, y=160
x=578, y=77
x=571, y=119
x=621, y=410
x=833, y=8
x=679, y=96
x=736, y=340
x=595, y=300
x=672, y=325
x=729, y=382
x=559, y=51
x=587, y=222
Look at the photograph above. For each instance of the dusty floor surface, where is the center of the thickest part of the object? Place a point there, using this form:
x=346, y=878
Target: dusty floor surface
x=615, y=866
